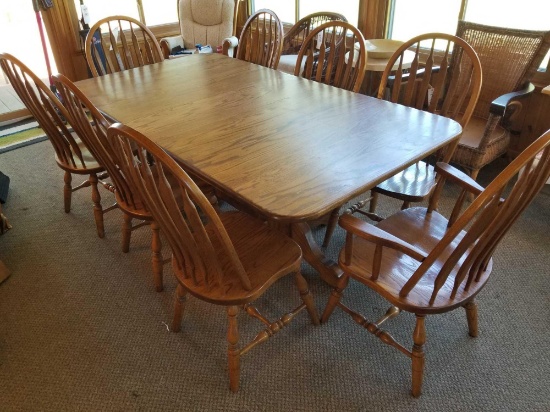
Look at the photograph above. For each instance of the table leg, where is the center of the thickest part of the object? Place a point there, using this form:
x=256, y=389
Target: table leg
x=329, y=270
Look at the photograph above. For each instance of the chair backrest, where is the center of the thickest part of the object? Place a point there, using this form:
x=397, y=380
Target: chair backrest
x=118, y=43
x=466, y=249
x=509, y=57
x=338, y=59
x=295, y=37
x=199, y=242
x=46, y=109
x=207, y=21
x=444, y=76
x=261, y=39
x=92, y=127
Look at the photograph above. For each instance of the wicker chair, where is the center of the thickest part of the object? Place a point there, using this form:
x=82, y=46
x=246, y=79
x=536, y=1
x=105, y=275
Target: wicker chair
x=509, y=58
x=295, y=37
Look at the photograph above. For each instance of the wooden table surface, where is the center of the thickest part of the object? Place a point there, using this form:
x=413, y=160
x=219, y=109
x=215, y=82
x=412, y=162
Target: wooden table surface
x=291, y=149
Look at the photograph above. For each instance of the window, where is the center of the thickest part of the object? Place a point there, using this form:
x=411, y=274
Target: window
x=154, y=12
x=286, y=9
x=411, y=18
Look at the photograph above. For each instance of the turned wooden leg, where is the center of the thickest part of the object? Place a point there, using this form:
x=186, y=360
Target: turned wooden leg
x=98, y=211
x=156, y=247
x=373, y=201
x=126, y=232
x=471, y=316
x=67, y=191
x=181, y=298
x=334, y=298
x=331, y=225
x=233, y=354
x=302, y=285
x=419, y=339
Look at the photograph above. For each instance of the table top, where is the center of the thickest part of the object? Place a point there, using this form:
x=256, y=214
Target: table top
x=546, y=90
x=291, y=148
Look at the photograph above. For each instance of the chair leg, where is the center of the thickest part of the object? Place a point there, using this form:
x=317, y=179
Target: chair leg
x=334, y=298
x=233, y=353
x=406, y=204
x=67, y=191
x=156, y=247
x=181, y=298
x=98, y=210
x=471, y=316
x=373, y=201
x=126, y=232
x=419, y=339
x=302, y=285
x=473, y=174
x=331, y=225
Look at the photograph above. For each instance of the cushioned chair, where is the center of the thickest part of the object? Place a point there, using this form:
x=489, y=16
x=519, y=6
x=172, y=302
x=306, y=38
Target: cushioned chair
x=206, y=22
x=71, y=154
x=118, y=43
x=261, y=39
x=227, y=258
x=426, y=264
x=509, y=58
x=334, y=60
x=447, y=83
x=295, y=37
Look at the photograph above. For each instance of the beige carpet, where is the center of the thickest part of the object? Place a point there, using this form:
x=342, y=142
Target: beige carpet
x=82, y=329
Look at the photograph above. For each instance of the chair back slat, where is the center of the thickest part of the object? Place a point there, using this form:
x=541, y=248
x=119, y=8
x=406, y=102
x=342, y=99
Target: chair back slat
x=261, y=39
x=91, y=126
x=466, y=248
x=297, y=34
x=443, y=77
x=46, y=109
x=200, y=244
x=338, y=59
x=118, y=43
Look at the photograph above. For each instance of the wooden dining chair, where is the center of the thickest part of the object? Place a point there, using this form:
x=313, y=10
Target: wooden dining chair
x=118, y=43
x=294, y=38
x=80, y=111
x=328, y=56
x=227, y=258
x=261, y=39
x=445, y=78
x=426, y=264
x=71, y=153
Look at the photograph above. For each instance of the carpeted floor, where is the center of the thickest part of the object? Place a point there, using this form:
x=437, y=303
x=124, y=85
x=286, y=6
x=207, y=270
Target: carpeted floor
x=82, y=329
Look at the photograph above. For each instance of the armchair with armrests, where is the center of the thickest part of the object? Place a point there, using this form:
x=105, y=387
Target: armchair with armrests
x=212, y=22
x=509, y=58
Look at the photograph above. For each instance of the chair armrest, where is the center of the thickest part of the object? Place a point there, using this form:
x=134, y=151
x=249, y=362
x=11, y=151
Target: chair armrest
x=378, y=236
x=458, y=177
x=499, y=105
x=405, y=76
x=168, y=43
x=228, y=46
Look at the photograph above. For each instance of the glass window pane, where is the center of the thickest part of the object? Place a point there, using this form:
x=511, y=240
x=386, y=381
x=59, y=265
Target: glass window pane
x=524, y=14
x=99, y=9
x=284, y=9
x=349, y=8
x=411, y=18
x=160, y=11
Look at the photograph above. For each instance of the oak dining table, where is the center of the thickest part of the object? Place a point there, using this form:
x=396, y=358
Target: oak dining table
x=285, y=148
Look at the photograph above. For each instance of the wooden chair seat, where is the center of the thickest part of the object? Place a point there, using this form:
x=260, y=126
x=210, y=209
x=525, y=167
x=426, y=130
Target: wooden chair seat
x=265, y=253
x=92, y=165
x=413, y=184
x=424, y=231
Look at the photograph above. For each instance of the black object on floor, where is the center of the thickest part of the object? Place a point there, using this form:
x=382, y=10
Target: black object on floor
x=4, y=186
